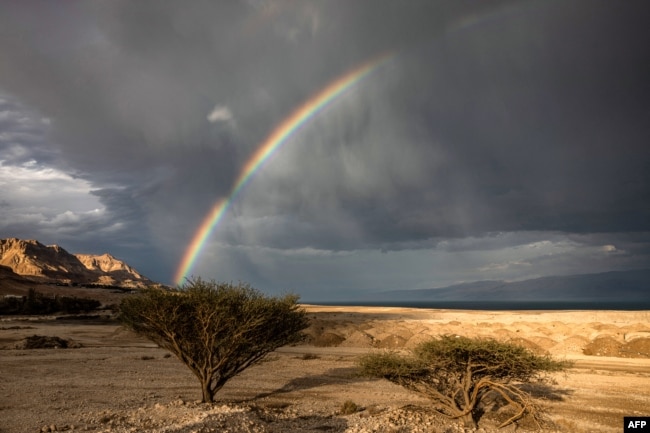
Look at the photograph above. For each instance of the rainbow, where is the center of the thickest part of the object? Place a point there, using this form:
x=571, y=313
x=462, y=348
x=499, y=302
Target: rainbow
x=278, y=136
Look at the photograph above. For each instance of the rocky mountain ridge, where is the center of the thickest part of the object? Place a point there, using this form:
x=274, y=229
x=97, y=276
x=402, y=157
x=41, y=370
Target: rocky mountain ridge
x=51, y=263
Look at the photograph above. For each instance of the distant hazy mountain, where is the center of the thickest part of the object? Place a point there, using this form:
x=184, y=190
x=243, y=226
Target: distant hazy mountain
x=51, y=263
x=607, y=286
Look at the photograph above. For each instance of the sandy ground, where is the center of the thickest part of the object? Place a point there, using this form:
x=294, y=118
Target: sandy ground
x=119, y=382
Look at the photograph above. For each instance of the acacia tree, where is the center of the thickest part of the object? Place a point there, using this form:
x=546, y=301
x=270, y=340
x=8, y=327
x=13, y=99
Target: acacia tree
x=458, y=372
x=216, y=329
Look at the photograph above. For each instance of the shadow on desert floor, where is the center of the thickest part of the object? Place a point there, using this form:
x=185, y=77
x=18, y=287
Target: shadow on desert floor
x=333, y=376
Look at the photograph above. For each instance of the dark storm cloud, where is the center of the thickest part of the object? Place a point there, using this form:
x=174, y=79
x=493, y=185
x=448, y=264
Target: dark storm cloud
x=516, y=117
x=558, y=125
x=22, y=135
x=129, y=84
x=535, y=122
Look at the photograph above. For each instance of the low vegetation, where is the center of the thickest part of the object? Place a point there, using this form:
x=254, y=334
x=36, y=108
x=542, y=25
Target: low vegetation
x=47, y=342
x=458, y=373
x=216, y=329
x=349, y=407
x=38, y=303
x=309, y=356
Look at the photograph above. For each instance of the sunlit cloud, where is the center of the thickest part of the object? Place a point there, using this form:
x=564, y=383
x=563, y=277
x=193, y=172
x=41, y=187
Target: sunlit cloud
x=610, y=249
x=39, y=181
x=221, y=113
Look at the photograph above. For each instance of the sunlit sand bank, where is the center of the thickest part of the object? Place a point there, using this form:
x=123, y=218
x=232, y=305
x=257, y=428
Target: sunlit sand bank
x=572, y=334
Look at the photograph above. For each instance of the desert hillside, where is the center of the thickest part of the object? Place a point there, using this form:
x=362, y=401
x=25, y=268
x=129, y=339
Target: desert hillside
x=50, y=263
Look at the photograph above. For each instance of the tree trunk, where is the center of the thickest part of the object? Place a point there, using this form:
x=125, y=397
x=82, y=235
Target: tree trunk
x=468, y=421
x=208, y=394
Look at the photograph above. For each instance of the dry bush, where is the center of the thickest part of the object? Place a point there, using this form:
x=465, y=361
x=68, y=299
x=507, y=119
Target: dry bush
x=47, y=342
x=349, y=407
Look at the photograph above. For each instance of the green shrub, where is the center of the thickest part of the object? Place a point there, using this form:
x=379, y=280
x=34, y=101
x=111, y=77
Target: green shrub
x=216, y=329
x=458, y=372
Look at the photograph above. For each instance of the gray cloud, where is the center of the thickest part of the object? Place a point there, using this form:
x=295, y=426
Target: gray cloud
x=528, y=119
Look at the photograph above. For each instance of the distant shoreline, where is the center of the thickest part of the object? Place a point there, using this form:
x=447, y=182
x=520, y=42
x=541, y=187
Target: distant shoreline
x=499, y=305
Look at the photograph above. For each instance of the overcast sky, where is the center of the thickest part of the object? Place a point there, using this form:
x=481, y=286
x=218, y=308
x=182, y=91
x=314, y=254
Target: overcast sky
x=501, y=140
